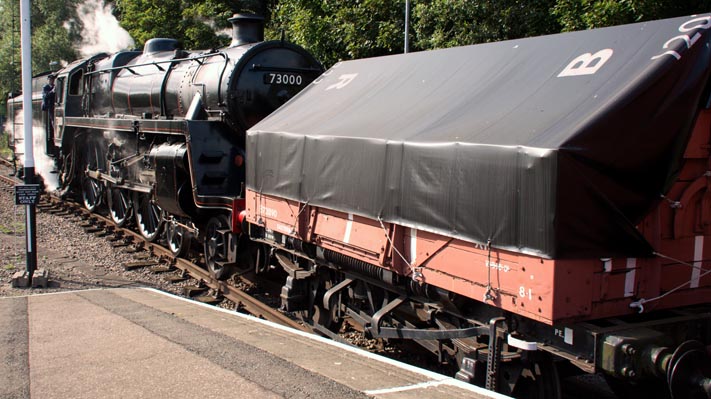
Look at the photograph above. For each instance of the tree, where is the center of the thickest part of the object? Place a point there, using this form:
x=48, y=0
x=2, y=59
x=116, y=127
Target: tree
x=588, y=14
x=197, y=24
x=54, y=30
x=341, y=29
x=448, y=23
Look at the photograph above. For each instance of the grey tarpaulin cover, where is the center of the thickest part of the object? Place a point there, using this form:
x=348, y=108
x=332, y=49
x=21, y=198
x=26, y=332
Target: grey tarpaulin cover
x=554, y=146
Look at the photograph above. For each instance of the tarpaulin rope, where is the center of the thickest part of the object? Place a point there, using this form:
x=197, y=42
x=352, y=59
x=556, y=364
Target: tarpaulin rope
x=640, y=303
x=416, y=274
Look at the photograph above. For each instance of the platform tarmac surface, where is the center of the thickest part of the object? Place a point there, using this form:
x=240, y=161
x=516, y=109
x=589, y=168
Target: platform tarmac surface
x=142, y=343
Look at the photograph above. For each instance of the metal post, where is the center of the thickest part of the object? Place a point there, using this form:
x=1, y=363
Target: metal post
x=12, y=93
x=12, y=141
x=407, y=26
x=29, y=166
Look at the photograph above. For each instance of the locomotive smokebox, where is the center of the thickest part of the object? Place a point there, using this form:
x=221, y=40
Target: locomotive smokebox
x=246, y=28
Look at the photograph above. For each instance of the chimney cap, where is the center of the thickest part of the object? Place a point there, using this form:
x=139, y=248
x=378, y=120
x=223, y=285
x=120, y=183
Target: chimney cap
x=238, y=17
x=246, y=28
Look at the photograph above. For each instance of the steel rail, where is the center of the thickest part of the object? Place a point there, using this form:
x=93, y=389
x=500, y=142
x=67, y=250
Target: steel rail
x=243, y=300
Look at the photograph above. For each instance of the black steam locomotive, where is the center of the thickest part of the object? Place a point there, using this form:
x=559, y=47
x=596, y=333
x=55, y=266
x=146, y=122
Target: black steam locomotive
x=159, y=134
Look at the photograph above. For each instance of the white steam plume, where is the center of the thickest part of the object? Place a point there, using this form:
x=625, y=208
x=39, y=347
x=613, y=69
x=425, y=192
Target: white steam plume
x=102, y=32
x=44, y=165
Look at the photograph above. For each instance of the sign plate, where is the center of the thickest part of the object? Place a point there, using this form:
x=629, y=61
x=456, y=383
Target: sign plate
x=27, y=194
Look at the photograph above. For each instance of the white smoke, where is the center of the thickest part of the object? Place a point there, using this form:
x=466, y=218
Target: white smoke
x=218, y=31
x=102, y=32
x=44, y=165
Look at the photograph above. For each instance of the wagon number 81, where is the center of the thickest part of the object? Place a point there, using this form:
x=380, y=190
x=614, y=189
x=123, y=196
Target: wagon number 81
x=283, y=79
x=523, y=293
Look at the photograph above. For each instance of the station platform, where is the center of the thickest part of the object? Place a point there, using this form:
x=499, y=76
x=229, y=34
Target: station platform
x=143, y=343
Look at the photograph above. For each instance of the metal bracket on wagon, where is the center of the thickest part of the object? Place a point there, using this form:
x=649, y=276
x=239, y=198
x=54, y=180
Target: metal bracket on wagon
x=376, y=331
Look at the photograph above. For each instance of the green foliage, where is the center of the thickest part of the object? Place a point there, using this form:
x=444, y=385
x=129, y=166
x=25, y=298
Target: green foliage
x=5, y=151
x=55, y=28
x=198, y=25
x=14, y=228
x=448, y=23
x=339, y=30
x=588, y=14
x=146, y=19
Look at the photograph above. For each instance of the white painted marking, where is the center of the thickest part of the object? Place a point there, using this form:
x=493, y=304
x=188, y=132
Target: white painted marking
x=413, y=246
x=385, y=391
x=568, y=336
x=343, y=81
x=630, y=276
x=698, y=256
x=349, y=228
x=29, y=229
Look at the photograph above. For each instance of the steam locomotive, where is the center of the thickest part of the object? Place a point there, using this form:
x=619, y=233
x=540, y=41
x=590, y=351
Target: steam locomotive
x=526, y=210
x=159, y=134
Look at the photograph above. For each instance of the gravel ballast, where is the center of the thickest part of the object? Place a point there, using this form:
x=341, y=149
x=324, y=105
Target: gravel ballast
x=75, y=259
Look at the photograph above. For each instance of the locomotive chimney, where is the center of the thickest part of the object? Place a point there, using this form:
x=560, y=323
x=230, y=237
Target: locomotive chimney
x=246, y=28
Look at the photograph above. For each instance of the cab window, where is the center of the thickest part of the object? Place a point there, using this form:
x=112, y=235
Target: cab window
x=60, y=90
x=75, y=86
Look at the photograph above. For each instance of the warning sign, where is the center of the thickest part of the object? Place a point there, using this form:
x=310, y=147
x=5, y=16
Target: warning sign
x=27, y=194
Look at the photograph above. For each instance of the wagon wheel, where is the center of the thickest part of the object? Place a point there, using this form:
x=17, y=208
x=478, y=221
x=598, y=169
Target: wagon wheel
x=320, y=320
x=177, y=237
x=67, y=170
x=149, y=217
x=91, y=188
x=216, y=248
x=120, y=206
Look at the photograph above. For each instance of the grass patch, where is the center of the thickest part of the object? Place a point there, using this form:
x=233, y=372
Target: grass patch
x=9, y=266
x=14, y=228
x=5, y=150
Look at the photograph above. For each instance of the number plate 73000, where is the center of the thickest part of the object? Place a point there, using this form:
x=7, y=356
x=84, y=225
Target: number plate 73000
x=291, y=79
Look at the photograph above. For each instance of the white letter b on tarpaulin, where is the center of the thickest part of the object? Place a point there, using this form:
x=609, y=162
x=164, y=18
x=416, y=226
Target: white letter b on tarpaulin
x=587, y=64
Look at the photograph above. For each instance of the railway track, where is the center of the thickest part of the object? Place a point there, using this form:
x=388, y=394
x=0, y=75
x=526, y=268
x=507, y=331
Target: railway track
x=223, y=289
x=8, y=182
x=101, y=225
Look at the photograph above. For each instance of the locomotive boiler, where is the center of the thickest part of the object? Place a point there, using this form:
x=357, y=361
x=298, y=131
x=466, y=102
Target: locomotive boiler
x=159, y=134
